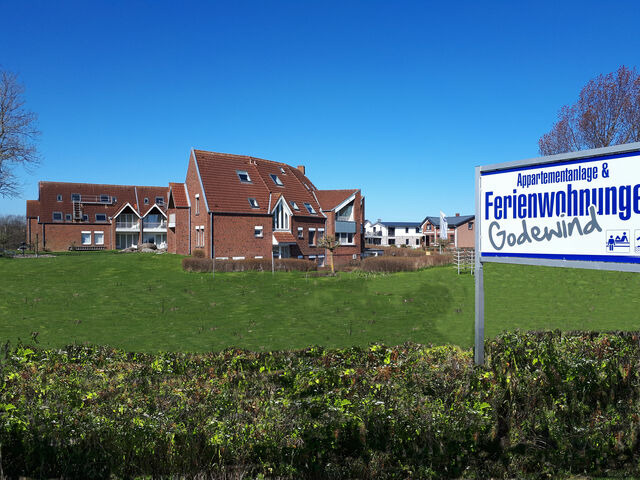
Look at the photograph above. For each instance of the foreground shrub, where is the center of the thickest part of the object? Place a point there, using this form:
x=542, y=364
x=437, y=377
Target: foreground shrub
x=546, y=404
x=252, y=264
x=198, y=253
x=391, y=264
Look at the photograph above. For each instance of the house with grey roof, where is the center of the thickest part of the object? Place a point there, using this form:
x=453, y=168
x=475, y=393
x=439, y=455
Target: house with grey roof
x=384, y=234
x=460, y=231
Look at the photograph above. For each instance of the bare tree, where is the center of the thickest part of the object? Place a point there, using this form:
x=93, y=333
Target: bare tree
x=607, y=113
x=13, y=231
x=330, y=243
x=18, y=133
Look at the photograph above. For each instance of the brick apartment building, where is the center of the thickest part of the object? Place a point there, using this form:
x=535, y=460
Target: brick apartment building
x=96, y=217
x=230, y=206
x=236, y=207
x=460, y=231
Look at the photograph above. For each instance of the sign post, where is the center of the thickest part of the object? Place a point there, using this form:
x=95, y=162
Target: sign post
x=575, y=210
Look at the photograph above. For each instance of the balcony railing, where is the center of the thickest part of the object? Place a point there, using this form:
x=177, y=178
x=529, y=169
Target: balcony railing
x=126, y=224
x=373, y=234
x=162, y=224
x=103, y=199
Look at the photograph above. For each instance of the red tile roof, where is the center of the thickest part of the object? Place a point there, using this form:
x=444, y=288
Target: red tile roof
x=226, y=193
x=284, y=237
x=179, y=194
x=119, y=195
x=330, y=199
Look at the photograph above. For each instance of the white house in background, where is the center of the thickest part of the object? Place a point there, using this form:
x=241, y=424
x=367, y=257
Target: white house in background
x=384, y=234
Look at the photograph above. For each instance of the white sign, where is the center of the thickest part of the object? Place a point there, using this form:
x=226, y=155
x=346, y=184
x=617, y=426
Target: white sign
x=444, y=226
x=583, y=209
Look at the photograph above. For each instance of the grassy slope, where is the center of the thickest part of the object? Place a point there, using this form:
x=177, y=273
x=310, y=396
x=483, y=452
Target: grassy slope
x=146, y=302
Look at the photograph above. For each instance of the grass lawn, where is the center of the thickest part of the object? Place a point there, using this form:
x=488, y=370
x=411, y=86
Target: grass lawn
x=145, y=302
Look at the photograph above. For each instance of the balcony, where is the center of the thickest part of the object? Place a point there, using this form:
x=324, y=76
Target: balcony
x=99, y=199
x=127, y=226
x=345, y=227
x=373, y=234
x=155, y=226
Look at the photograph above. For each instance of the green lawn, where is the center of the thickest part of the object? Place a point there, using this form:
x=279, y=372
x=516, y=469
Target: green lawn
x=146, y=302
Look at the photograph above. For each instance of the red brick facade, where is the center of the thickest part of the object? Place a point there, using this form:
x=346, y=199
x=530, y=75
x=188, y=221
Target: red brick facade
x=228, y=206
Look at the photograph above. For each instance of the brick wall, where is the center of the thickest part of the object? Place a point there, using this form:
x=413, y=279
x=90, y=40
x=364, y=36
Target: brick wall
x=197, y=200
x=59, y=236
x=233, y=236
x=178, y=237
x=466, y=237
x=302, y=246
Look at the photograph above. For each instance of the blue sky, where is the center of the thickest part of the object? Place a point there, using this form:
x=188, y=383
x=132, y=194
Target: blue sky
x=400, y=99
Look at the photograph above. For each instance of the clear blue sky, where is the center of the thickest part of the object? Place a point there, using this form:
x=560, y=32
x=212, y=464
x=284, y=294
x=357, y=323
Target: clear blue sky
x=400, y=99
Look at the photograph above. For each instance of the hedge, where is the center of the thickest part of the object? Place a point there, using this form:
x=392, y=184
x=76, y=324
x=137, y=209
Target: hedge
x=192, y=264
x=547, y=404
x=391, y=264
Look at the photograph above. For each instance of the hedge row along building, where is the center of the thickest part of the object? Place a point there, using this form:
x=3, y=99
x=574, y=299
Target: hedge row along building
x=230, y=206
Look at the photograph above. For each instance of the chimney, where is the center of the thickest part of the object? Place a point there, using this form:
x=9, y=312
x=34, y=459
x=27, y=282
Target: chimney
x=301, y=168
x=457, y=214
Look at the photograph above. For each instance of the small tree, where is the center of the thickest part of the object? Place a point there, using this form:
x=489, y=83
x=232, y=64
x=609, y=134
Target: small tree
x=607, y=113
x=18, y=133
x=330, y=243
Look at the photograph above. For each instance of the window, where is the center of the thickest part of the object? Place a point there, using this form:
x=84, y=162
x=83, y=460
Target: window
x=294, y=205
x=320, y=233
x=59, y=197
x=258, y=257
x=85, y=217
x=253, y=202
x=346, y=213
x=417, y=229
x=57, y=216
x=101, y=217
x=75, y=197
x=114, y=199
x=160, y=201
x=197, y=204
x=98, y=238
x=86, y=238
x=281, y=217
x=470, y=225
x=104, y=198
x=300, y=232
x=276, y=180
x=282, y=171
x=257, y=231
x=406, y=242
x=67, y=217
x=309, y=208
x=243, y=176
x=417, y=241
x=406, y=230
x=392, y=231
x=237, y=258
x=146, y=200
x=428, y=227
x=392, y=241
x=312, y=237
x=199, y=236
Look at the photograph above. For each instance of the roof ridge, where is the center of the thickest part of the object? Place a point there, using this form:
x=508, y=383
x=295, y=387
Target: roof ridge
x=244, y=157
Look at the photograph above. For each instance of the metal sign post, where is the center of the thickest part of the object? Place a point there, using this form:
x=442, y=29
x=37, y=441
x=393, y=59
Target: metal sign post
x=574, y=210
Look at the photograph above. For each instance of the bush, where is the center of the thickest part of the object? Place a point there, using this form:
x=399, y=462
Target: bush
x=252, y=264
x=198, y=253
x=546, y=404
x=391, y=264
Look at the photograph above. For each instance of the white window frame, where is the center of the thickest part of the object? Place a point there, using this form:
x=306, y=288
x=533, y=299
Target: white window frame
x=95, y=237
x=276, y=179
x=59, y=197
x=82, y=234
x=312, y=236
x=301, y=233
x=197, y=204
x=259, y=257
x=237, y=258
x=254, y=203
x=258, y=231
x=160, y=201
x=344, y=240
x=309, y=207
x=294, y=205
x=242, y=173
x=53, y=217
x=105, y=217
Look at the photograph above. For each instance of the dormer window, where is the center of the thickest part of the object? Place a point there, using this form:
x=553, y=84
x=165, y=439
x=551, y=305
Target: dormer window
x=243, y=176
x=59, y=198
x=276, y=179
x=281, y=217
x=160, y=201
x=309, y=208
x=253, y=202
x=104, y=198
x=282, y=171
x=75, y=197
x=101, y=217
x=146, y=200
x=294, y=205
